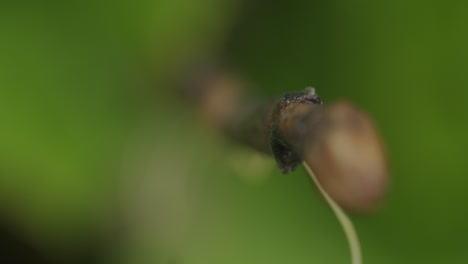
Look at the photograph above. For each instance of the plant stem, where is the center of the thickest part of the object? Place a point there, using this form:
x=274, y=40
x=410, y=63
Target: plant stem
x=345, y=222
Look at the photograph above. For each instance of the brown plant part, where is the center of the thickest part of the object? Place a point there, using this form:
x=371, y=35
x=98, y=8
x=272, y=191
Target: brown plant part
x=339, y=142
x=342, y=146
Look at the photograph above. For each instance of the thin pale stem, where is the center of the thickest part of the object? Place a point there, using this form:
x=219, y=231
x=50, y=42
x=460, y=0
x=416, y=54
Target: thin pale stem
x=347, y=225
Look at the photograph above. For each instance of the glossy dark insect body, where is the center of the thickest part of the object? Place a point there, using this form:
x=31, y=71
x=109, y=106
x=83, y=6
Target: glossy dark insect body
x=285, y=157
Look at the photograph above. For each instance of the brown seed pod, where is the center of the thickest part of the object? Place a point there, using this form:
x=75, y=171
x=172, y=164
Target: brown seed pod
x=342, y=146
x=339, y=142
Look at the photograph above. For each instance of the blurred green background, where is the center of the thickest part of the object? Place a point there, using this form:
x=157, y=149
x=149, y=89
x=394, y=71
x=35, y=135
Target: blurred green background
x=101, y=161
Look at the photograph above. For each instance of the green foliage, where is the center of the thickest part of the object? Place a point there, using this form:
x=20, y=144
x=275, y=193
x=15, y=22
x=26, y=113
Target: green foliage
x=76, y=80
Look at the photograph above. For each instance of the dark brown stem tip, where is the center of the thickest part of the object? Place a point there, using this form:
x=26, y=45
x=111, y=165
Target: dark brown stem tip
x=348, y=157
